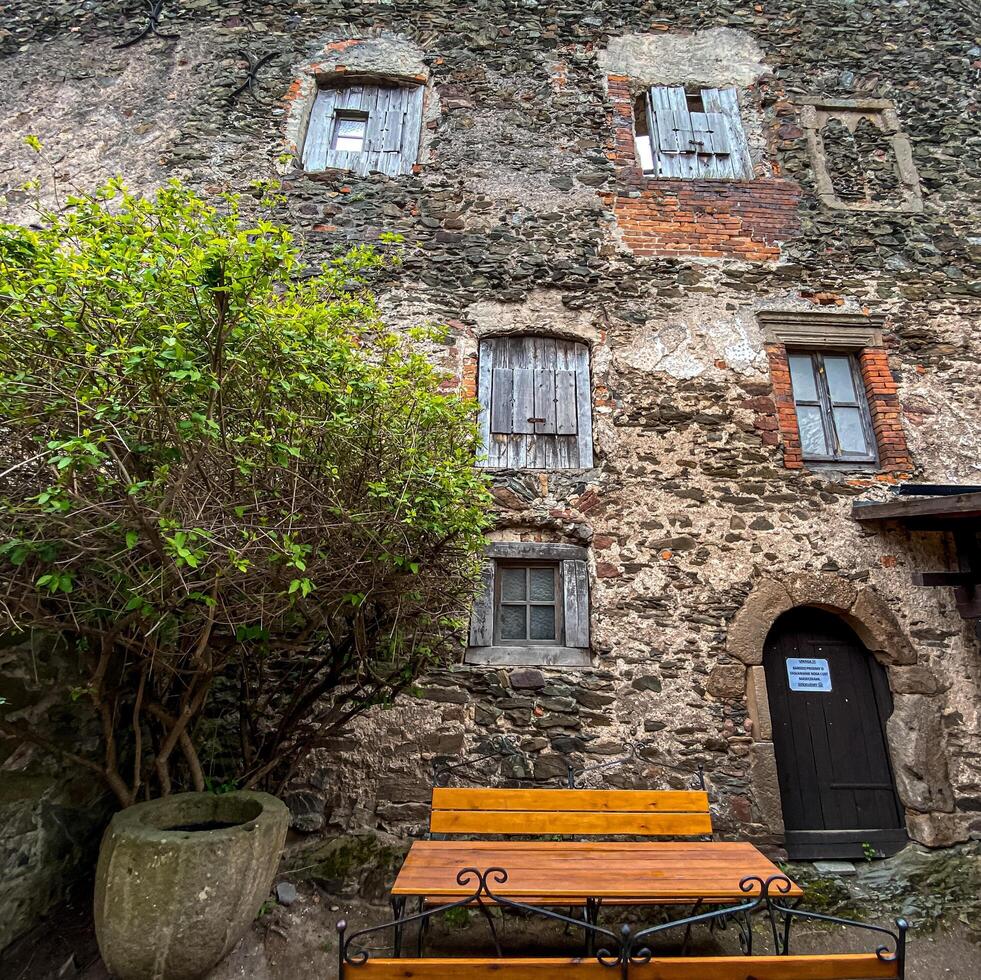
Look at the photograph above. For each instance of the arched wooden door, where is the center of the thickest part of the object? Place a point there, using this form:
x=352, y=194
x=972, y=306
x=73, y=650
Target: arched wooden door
x=829, y=702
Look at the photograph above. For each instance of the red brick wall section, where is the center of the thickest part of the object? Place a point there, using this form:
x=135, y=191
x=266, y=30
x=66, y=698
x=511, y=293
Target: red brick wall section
x=707, y=218
x=882, y=395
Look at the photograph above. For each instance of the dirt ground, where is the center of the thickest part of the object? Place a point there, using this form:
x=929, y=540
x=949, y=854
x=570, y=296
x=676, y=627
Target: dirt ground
x=301, y=942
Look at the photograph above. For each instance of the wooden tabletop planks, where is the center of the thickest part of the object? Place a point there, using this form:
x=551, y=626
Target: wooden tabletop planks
x=576, y=870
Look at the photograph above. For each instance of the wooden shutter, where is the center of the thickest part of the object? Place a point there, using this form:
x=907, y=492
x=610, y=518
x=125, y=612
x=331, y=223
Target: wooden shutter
x=482, y=612
x=709, y=144
x=394, y=124
x=725, y=102
x=319, y=129
x=575, y=596
x=672, y=136
x=535, y=399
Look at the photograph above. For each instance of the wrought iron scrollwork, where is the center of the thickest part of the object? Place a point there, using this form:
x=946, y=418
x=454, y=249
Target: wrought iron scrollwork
x=696, y=780
x=252, y=76
x=624, y=948
x=154, y=9
x=501, y=747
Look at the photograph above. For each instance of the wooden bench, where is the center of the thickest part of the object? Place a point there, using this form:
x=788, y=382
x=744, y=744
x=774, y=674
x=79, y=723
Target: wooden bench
x=570, y=812
x=838, y=966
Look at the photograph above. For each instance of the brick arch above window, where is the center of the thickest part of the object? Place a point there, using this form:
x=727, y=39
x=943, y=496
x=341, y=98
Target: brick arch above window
x=535, y=403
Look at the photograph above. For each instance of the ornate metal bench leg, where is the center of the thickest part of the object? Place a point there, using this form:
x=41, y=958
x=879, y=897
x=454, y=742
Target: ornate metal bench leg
x=781, y=938
x=398, y=907
x=486, y=912
x=423, y=928
x=591, y=917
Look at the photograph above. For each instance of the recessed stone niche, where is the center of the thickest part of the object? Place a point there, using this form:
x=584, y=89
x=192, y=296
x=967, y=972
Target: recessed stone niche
x=861, y=159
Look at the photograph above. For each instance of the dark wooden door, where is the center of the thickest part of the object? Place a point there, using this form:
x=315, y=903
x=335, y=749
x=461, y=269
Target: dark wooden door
x=829, y=701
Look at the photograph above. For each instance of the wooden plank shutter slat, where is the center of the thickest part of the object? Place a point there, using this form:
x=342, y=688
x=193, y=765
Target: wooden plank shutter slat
x=668, y=163
x=575, y=594
x=524, y=400
x=718, y=130
x=482, y=612
x=317, y=143
x=411, y=129
x=725, y=101
x=545, y=401
x=502, y=401
x=566, y=415
x=584, y=407
x=485, y=367
x=544, y=359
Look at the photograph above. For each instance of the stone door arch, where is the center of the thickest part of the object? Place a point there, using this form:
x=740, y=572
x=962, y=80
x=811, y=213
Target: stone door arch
x=915, y=734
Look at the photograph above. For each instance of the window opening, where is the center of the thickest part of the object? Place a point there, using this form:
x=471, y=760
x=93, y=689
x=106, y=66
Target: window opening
x=350, y=129
x=832, y=412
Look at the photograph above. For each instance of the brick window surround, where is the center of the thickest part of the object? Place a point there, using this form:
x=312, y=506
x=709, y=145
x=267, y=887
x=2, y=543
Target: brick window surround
x=862, y=335
x=658, y=217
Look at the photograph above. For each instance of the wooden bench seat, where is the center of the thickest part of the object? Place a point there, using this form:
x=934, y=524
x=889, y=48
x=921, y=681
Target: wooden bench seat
x=571, y=812
x=838, y=966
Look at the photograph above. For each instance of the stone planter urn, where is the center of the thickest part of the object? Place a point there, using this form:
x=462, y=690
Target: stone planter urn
x=181, y=878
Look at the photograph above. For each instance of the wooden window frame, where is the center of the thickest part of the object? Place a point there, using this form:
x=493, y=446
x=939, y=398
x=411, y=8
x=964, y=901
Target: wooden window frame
x=825, y=404
x=345, y=115
x=557, y=603
x=572, y=648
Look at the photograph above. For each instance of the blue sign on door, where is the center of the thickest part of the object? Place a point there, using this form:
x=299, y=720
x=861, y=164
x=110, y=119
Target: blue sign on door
x=808, y=674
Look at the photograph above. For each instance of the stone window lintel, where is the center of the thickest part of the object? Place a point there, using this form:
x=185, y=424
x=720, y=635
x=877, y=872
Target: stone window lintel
x=849, y=331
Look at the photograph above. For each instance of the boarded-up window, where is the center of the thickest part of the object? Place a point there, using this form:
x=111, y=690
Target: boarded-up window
x=364, y=128
x=532, y=606
x=535, y=403
x=695, y=136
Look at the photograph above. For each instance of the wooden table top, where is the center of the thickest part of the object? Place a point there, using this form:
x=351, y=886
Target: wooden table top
x=651, y=871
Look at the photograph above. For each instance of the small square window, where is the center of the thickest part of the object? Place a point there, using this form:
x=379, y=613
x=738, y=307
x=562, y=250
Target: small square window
x=349, y=133
x=832, y=411
x=528, y=604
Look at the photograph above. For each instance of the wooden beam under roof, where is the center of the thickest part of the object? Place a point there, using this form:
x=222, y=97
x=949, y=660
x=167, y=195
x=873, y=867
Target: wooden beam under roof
x=952, y=507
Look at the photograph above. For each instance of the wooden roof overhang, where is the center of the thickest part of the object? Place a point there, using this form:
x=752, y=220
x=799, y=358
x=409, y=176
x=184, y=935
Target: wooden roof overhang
x=953, y=509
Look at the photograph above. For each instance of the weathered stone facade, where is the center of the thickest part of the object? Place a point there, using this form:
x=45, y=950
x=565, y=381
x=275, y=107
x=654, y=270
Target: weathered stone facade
x=528, y=212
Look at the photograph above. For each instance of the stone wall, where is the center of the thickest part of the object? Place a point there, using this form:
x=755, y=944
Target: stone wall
x=527, y=212
x=52, y=813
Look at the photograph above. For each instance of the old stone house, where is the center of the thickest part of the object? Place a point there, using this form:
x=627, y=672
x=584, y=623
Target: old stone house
x=707, y=267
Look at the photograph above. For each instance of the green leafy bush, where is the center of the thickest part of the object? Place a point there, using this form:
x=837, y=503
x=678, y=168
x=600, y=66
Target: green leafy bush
x=222, y=473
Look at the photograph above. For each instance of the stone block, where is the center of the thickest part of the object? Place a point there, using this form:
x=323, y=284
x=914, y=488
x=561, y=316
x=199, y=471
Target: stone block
x=916, y=742
x=876, y=626
x=766, y=785
x=758, y=704
x=913, y=680
x=727, y=681
x=938, y=829
x=526, y=679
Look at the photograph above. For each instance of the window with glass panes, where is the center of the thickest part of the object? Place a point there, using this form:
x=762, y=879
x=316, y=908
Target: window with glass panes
x=832, y=412
x=528, y=603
